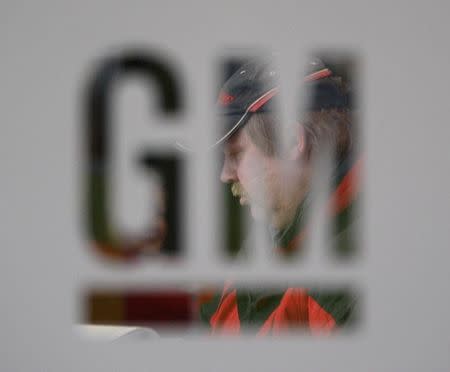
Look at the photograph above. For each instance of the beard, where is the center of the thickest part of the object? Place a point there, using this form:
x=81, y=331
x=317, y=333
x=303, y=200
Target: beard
x=266, y=201
x=258, y=209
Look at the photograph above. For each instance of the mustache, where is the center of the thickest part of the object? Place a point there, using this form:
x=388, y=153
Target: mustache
x=237, y=190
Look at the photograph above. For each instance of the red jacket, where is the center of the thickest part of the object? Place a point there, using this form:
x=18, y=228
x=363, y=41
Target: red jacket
x=295, y=310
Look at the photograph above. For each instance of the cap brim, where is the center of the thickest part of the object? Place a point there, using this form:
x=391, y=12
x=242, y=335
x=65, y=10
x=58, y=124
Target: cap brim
x=230, y=124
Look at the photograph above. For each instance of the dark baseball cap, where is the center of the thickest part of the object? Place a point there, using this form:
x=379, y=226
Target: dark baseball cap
x=253, y=88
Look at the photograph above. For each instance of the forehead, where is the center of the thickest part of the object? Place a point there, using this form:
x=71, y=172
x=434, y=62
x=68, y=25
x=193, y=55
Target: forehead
x=239, y=139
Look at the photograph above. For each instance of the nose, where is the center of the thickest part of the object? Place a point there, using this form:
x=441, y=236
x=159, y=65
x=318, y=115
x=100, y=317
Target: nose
x=228, y=173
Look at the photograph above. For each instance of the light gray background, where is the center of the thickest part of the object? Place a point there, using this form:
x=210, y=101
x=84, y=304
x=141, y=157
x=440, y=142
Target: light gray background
x=46, y=50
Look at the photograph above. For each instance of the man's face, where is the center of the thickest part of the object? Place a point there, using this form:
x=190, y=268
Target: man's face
x=264, y=182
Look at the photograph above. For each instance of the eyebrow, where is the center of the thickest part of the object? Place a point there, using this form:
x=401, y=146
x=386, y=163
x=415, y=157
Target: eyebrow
x=232, y=147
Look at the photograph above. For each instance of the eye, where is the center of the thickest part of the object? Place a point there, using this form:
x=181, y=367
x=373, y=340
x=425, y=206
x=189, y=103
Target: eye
x=237, y=155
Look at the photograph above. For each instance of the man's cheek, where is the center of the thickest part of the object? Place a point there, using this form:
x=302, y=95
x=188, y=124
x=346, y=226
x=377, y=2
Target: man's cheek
x=255, y=170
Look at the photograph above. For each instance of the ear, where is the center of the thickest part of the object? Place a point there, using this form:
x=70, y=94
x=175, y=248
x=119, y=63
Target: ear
x=301, y=139
x=299, y=148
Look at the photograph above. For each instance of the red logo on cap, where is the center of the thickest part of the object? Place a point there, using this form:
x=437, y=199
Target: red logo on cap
x=225, y=99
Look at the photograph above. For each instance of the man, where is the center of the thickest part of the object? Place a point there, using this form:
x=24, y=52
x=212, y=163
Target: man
x=276, y=185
